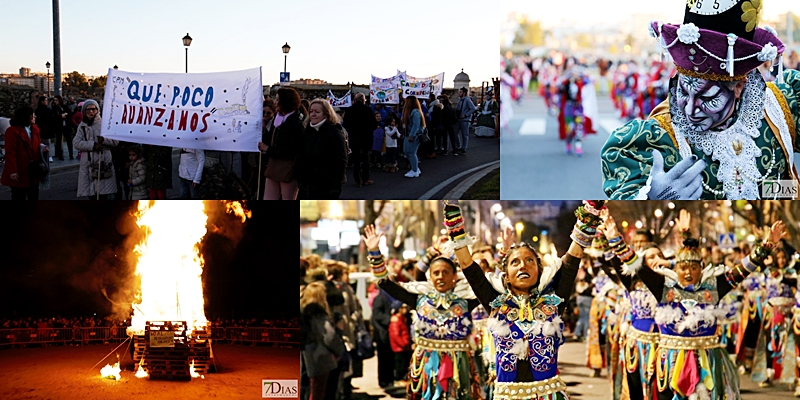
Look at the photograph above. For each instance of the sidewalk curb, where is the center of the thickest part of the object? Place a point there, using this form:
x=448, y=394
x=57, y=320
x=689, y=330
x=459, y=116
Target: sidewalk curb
x=429, y=194
x=462, y=187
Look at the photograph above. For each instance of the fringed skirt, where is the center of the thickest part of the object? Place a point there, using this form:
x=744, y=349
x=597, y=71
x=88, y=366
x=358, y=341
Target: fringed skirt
x=443, y=369
x=640, y=352
x=696, y=365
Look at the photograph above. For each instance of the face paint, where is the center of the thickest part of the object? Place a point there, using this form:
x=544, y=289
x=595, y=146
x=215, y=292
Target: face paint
x=705, y=103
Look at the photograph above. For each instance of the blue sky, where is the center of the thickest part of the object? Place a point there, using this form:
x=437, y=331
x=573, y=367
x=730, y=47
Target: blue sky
x=338, y=41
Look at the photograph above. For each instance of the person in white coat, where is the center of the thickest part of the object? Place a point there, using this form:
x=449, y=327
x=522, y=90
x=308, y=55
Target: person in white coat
x=190, y=171
x=96, y=178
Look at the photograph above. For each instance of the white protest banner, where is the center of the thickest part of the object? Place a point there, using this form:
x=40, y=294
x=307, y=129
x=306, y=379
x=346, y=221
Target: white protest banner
x=211, y=111
x=437, y=81
x=419, y=89
x=344, y=101
x=384, y=94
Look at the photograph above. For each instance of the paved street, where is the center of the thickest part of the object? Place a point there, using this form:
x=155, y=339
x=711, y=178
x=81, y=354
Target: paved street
x=439, y=176
x=534, y=161
x=572, y=364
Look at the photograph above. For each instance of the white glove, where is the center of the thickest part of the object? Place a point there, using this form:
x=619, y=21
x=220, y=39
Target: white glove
x=683, y=182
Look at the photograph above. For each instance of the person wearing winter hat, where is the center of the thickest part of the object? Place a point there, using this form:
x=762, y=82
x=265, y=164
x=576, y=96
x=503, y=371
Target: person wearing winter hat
x=723, y=130
x=96, y=178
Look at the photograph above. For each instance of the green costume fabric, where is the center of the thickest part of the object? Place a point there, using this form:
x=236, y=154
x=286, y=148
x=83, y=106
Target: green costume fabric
x=626, y=160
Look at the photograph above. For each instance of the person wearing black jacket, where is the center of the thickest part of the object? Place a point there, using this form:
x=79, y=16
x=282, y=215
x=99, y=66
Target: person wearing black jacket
x=44, y=121
x=449, y=121
x=282, y=141
x=62, y=127
x=360, y=124
x=322, y=161
x=381, y=317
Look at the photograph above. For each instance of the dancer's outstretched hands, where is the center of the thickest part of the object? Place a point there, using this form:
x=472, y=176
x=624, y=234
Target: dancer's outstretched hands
x=776, y=231
x=684, y=221
x=683, y=182
x=372, y=238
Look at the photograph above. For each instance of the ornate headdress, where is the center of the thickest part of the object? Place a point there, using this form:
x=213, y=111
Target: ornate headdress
x=719, y=40
x=689, y=253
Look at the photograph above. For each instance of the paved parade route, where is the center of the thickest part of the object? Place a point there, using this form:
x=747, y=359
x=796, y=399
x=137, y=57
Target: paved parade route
x=439, y=176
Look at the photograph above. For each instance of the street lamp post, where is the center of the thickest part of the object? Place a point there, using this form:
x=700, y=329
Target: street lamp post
x=187, y=40
x=285, y=49
x=48, y=78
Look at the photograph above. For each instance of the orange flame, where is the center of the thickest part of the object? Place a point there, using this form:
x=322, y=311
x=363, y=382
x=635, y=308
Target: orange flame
x=169, y=264
x=110, y=372
x=193, y=373
x=236, y=208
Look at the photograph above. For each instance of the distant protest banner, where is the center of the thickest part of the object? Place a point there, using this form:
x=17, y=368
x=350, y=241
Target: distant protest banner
x=437, y=81
x=210, y=111
x=387, y=91
x=419, y=89
x=344, y=101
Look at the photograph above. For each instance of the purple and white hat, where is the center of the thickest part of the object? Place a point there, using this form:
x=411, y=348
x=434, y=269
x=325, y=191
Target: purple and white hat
x=719, y=40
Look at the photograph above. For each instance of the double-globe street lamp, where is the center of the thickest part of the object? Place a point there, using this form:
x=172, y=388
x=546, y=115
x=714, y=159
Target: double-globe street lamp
x=187, y=40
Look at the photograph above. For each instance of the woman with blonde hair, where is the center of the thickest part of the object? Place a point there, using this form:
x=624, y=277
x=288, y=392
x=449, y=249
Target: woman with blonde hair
x=413, y=123
x=320, y=345
x=322, y=161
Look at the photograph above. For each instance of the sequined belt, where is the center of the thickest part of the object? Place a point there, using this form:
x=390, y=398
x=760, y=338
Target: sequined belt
x=641, y=336
x=688, y=343
x=443, y=345
x=528, y=390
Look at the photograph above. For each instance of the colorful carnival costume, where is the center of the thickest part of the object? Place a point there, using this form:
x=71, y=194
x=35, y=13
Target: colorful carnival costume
x=528, y=329
x=442, y=366
x=691, y=360
x=577, y=102
x=753, y=299
x=775, y=355
x=756, y=143
x=640, y=340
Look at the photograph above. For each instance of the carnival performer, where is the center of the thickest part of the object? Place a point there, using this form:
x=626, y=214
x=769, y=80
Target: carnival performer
x=775, y=349
x=723, y=130
x=577, y=100
x=691, y=361
x=524, y=307
x=597, y=342
x=751, y=319
x=442, y=366
x=639, y=340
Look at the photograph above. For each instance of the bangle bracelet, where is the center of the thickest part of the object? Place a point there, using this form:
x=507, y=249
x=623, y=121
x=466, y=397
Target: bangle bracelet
x=375, y=253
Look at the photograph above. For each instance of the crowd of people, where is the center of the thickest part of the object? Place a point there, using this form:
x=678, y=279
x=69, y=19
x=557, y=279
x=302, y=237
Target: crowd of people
x=306, y=148
x=664, y=322
x=310, y=145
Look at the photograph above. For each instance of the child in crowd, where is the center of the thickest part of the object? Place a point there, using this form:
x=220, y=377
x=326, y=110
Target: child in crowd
x=377, y=142
x=392, y=134
x=136, y=174
x=400, y=339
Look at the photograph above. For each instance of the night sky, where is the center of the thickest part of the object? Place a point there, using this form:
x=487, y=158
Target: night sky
x=57, y=258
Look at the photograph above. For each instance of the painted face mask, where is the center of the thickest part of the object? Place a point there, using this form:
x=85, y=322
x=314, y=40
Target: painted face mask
x=705, y=103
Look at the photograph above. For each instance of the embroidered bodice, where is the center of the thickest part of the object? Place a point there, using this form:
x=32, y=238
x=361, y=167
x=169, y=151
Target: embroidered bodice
x=642, y=308
x=691, y=311
x=775, y=286
x=442, y=316
x=526, y=329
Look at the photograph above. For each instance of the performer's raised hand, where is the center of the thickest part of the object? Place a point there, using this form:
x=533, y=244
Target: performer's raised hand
x=776, y=231
x=609, y=226
x=683, y=182
x=372, y=238
x=684, y=220
x=509, y=237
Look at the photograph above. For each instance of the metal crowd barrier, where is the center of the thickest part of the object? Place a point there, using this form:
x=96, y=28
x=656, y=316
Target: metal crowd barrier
x=108, y=334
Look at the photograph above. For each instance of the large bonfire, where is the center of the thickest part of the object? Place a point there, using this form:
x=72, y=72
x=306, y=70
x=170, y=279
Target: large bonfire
x=170, y=265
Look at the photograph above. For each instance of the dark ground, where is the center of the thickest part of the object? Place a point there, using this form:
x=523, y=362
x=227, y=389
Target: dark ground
x=64, y=373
